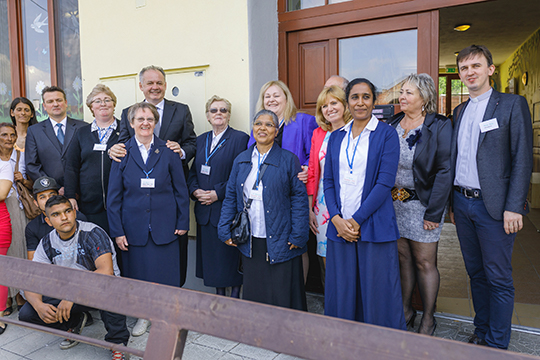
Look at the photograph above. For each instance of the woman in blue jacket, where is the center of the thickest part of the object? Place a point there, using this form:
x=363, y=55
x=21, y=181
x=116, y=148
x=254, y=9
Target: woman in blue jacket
x=148, y=205
x=362, y=265
x=279, y=218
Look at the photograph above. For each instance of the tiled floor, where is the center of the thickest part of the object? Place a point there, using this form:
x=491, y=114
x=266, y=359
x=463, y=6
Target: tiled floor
x=454, y=293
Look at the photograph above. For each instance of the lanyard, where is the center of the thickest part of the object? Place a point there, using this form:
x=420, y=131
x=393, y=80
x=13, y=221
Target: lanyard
x=214, y=151
x=350, y=162
x=259, y=166
x=148, y=173
x=104, y=133
x=281, y=122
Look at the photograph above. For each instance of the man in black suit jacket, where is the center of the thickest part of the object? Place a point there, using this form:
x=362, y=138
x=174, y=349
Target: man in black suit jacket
x=175, y=126
x=492, y=165
x=48, y=141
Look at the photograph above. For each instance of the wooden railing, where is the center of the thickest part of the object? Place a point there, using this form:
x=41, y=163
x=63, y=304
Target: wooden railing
x=174, y=311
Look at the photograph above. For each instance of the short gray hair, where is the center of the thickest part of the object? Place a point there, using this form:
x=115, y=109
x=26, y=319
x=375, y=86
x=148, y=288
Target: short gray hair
x=426, y=87
x=141, y=106
x=151, y=67
x=269, y=113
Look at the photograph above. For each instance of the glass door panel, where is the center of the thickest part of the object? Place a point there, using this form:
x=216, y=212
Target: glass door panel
x=459, y=93
x=5, y=67
x=384, y=59
x=36, y=51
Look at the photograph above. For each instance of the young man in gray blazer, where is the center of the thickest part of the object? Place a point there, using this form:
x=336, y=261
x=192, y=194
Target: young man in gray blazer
x=492, y=163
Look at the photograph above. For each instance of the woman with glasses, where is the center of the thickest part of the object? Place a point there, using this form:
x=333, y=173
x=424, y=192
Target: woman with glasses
x=266, y=176
x=88, y=165
x=148, y=205
x=294, y=131
x=217, y=263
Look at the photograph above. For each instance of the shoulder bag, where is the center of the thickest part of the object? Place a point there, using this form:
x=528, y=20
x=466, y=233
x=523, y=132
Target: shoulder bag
x=27, y=200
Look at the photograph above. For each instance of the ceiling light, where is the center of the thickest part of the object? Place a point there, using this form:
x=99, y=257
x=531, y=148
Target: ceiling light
x=456, y=53
x=463, y=27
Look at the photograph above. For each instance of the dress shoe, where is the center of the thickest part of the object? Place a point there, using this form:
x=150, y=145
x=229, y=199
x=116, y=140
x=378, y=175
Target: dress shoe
x=140, y=327
x=410, y=322
x=474, y=339
x=2, y=329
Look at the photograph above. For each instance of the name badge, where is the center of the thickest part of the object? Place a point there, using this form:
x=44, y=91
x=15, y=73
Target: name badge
x=148, y=183
x=489, y=125
x=256, y=194
x=100, y=147
x=205, y=169
x=349, y=179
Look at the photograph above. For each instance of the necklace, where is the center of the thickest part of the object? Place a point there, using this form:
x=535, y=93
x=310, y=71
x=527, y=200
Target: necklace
x=406, y=131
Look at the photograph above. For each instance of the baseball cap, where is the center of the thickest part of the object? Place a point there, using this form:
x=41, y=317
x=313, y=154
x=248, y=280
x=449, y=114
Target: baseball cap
x=44, y=183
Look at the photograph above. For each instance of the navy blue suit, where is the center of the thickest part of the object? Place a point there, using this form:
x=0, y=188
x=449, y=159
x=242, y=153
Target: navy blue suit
x=148, y=217
x=504, y=161
x=217, y=263
x=44, y=155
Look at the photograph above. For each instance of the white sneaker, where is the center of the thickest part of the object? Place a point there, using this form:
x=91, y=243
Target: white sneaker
x=140, y=327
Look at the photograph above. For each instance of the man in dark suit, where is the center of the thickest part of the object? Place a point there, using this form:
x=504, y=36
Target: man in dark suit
x=492, y=164
x=47, y=142
x=175, y=126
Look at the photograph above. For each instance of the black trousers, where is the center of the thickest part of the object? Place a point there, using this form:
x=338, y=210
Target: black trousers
x=183, y=258
x=115, y=324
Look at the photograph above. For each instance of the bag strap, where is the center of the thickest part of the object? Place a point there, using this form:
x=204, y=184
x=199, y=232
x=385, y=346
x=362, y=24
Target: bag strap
x=17, y=163
x=256, y=184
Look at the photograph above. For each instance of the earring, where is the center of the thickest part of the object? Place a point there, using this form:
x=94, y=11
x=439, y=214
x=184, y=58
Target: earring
x=423, y=108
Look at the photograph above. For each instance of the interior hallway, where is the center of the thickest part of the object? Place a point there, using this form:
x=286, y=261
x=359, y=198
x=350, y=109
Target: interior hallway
x=454, y=294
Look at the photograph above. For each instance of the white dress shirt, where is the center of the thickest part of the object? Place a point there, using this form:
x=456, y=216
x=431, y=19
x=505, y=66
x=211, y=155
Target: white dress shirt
x=351, y=194
x=216, y=139
x=467, y=142
x=144, y=153
x=256, y=211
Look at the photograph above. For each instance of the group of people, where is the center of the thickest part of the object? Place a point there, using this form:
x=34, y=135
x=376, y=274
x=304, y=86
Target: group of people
x=374, y=193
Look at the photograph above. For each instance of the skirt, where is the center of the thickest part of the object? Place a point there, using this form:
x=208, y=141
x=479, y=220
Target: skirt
x=153, y=263
x=363, y=283
x=18, y=226
x=217, y=263
x=410, y=221
x=279, y=284
x=5, y=226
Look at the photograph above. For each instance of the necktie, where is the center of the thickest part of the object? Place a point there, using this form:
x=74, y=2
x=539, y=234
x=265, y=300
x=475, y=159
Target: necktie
x=60, y=133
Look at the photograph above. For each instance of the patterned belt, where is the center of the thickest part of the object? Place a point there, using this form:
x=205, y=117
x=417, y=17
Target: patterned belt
x=404, y=195
x=469, y=193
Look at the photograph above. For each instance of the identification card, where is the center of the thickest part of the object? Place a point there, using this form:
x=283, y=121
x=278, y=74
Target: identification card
x=256, y=194
x=100, y=147
x=148, y=183
x=349, y=179
x=205, y=169
x=489, y=125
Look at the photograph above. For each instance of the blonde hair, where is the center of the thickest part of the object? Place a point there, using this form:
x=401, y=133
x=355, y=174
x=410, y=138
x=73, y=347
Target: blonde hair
x=426, y=88
x=290, y=108
x=99, y=89
x=338, y=94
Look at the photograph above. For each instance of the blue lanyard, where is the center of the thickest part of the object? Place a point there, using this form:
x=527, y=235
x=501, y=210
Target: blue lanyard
x=148, y=173
x=214, y=151
x=104, y=133
x=259, y=166
x=351, y=162
x=281, y=122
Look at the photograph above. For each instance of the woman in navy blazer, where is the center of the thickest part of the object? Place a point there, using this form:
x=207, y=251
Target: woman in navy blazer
x=362, y=266
x=217, y=263
x=148, y=203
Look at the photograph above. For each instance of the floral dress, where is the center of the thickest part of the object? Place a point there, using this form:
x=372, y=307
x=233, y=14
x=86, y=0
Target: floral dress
x=320, y=210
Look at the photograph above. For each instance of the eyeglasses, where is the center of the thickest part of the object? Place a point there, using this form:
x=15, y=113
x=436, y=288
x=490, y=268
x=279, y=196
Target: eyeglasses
x=266, y=125
x=104, y=101
x=141, y=120
x=222, y=110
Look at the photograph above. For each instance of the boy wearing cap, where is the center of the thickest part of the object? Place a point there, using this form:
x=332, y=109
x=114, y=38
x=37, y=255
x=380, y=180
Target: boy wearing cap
x=44, y=188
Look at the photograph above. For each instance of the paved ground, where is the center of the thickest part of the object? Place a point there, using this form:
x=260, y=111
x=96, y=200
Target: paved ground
x=18, y=343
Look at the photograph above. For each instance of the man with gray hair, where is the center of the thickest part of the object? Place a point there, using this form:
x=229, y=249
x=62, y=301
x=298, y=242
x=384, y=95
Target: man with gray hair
x=175, y=126
x=336, y=80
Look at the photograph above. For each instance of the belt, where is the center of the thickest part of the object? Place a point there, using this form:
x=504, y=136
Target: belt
x=469, y=193
x=404, y=195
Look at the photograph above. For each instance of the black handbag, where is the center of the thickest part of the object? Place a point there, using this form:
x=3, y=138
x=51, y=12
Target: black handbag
x=241, y=226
